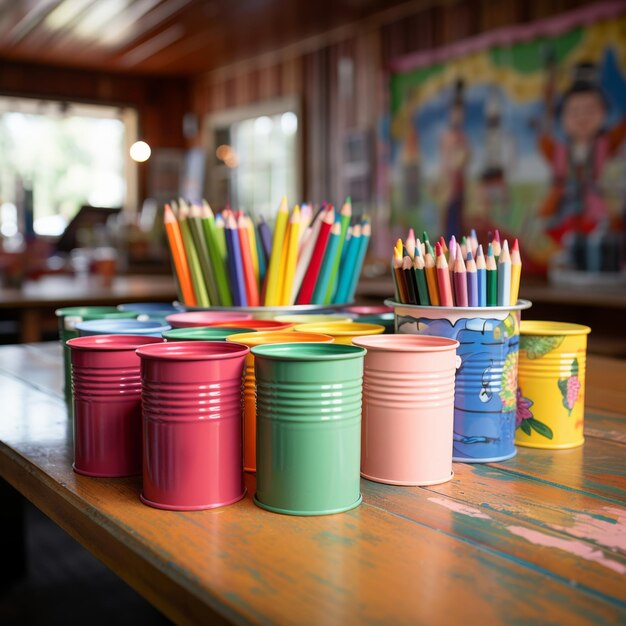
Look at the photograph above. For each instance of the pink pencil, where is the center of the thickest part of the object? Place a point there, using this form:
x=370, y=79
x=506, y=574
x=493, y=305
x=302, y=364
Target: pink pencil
x=443, y=277
x=460, y=279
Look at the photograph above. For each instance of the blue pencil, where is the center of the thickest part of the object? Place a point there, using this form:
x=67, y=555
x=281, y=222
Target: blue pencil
x=472, y=280
x=356, y=273
x=481, y=276
x=348, y=265
x=238, y=284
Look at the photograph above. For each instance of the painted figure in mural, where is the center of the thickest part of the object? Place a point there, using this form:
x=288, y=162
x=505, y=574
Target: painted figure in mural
x=454, y=154
x=575, y=202
x=494, y=191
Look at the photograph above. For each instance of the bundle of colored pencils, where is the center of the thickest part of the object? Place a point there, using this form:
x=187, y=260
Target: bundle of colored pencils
x=229, y=260
x=457, y=273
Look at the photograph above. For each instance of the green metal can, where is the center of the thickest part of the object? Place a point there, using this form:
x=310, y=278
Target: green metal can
x=308, y=427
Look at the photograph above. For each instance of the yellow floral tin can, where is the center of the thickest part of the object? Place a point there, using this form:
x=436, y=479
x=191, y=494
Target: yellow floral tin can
x=551, y=385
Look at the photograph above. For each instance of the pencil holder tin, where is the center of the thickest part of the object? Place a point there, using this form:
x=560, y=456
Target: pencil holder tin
x=342, y=332
x=68, y=317
x=150, y=328
x=485, y=398
x=308, y=427
x=382, y=319
x=367, y=310
x=408, y=409
x=249, y=383
x=160, y=308
x=260, y=325
x=107, y=404
x=205, y=318
x=192, y=416
x=551, y=385
x=204, y=333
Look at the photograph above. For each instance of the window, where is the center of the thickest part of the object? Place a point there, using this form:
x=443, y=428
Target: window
x=58, y=156
x=255, y=157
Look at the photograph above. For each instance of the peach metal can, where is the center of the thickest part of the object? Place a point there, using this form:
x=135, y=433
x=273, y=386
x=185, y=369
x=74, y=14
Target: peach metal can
x=192, y=410
x=249, y=382
x=107, y=404
x=408, y=409
x=551, y=385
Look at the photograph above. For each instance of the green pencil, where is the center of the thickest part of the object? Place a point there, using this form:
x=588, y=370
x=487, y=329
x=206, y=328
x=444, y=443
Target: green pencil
x=199, y=239
x=420, y=277
x=202, y=297
x=346, y=215
x=217, y=260
x=492, y=278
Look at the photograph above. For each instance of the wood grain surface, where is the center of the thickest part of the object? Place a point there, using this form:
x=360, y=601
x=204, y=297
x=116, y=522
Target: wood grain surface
x=538, y=539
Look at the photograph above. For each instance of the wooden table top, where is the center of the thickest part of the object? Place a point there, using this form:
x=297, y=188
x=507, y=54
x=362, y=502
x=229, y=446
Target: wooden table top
x=537, y=539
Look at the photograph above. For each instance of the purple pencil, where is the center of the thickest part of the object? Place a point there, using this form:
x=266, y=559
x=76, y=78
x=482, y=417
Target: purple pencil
x=460, y=279
x=472, y=280
x=238, y=284
x=266, y=237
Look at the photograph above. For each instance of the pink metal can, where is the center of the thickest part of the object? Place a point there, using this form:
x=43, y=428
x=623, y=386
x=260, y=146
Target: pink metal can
x=107, y=404
x=205, y=318
x=192, y=415
x=408, y=408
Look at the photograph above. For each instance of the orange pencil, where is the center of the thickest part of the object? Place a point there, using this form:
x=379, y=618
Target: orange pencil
x=252, y=289
x=443, y=277
x=175, y=241
x=431, y=277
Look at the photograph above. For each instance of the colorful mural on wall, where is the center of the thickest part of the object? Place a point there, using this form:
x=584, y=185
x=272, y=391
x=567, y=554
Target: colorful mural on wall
x=522, y=129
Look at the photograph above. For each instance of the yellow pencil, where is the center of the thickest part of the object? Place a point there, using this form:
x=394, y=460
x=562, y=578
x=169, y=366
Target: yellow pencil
x=291, y=257
x=273, y=272
x=516, y=272
x=253, y=248
x=431, y=278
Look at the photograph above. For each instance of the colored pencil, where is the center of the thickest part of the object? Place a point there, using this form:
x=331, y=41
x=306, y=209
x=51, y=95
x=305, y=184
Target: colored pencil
x=273, y=273
x=504, y=275
x=398, y=275
x=196, y=228
x=247, y=263
x=177, y=251
x=220, y=237
x=420, y=277
x=492, y=277
x=496, y=244
x=443, y=277
x=312, y=273
x=460, y=279
x=442, y=241
x=322, y=285
x=217, y=260
x=481, y=277
x=473, y=242
x=345, y=217
x=348, y=265
x=199, y=287
x=472, y=280
x=431, y=276
x=463, y=246
x=291, y=257
x=304, y=256
x=516, y=272
x=366, y=233
x=260, y=254
x=253, y=249
x=233, y=249
x=266, y=238
x=409, y=278
x=454, y=247
x=410, y=244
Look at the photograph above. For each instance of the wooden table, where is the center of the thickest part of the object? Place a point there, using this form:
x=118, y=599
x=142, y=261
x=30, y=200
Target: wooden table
x=36, y=301
x=538, y=539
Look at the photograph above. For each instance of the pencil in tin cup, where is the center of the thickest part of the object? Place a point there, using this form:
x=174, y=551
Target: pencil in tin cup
x=409, y=279
x=473, y=242
x=397, y=272
x=516, y=272
x=218, y=263
x=196, y=228
x=348, y=265
x=443, y=278
x=177, y=250
x=496, y=245
x=313, y=270
x=460, y=279
x=454, y=246
x=472, y=280
x=410, y=244
x=195, y=269
x=291, y=256
x=305, y=253
x=344, y=219
x=323, y=282
x=273, y=273
x=235, y=266
x=431, y=276
x=481, y=276
x=420, y=278
x=220, y=237
x=366, y=233
x=504, y=275
x=247, y=263
x=492, y=277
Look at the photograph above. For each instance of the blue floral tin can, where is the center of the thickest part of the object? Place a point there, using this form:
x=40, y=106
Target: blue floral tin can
x=485, y=399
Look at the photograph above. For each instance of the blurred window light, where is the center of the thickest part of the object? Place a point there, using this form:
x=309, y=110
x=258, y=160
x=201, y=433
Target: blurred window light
x=289, y=122
x=68, y=161
x=140, y=151
x=263, y=125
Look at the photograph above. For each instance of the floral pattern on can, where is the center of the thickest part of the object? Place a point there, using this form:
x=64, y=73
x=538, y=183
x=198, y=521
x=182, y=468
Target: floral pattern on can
x=570, y=387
